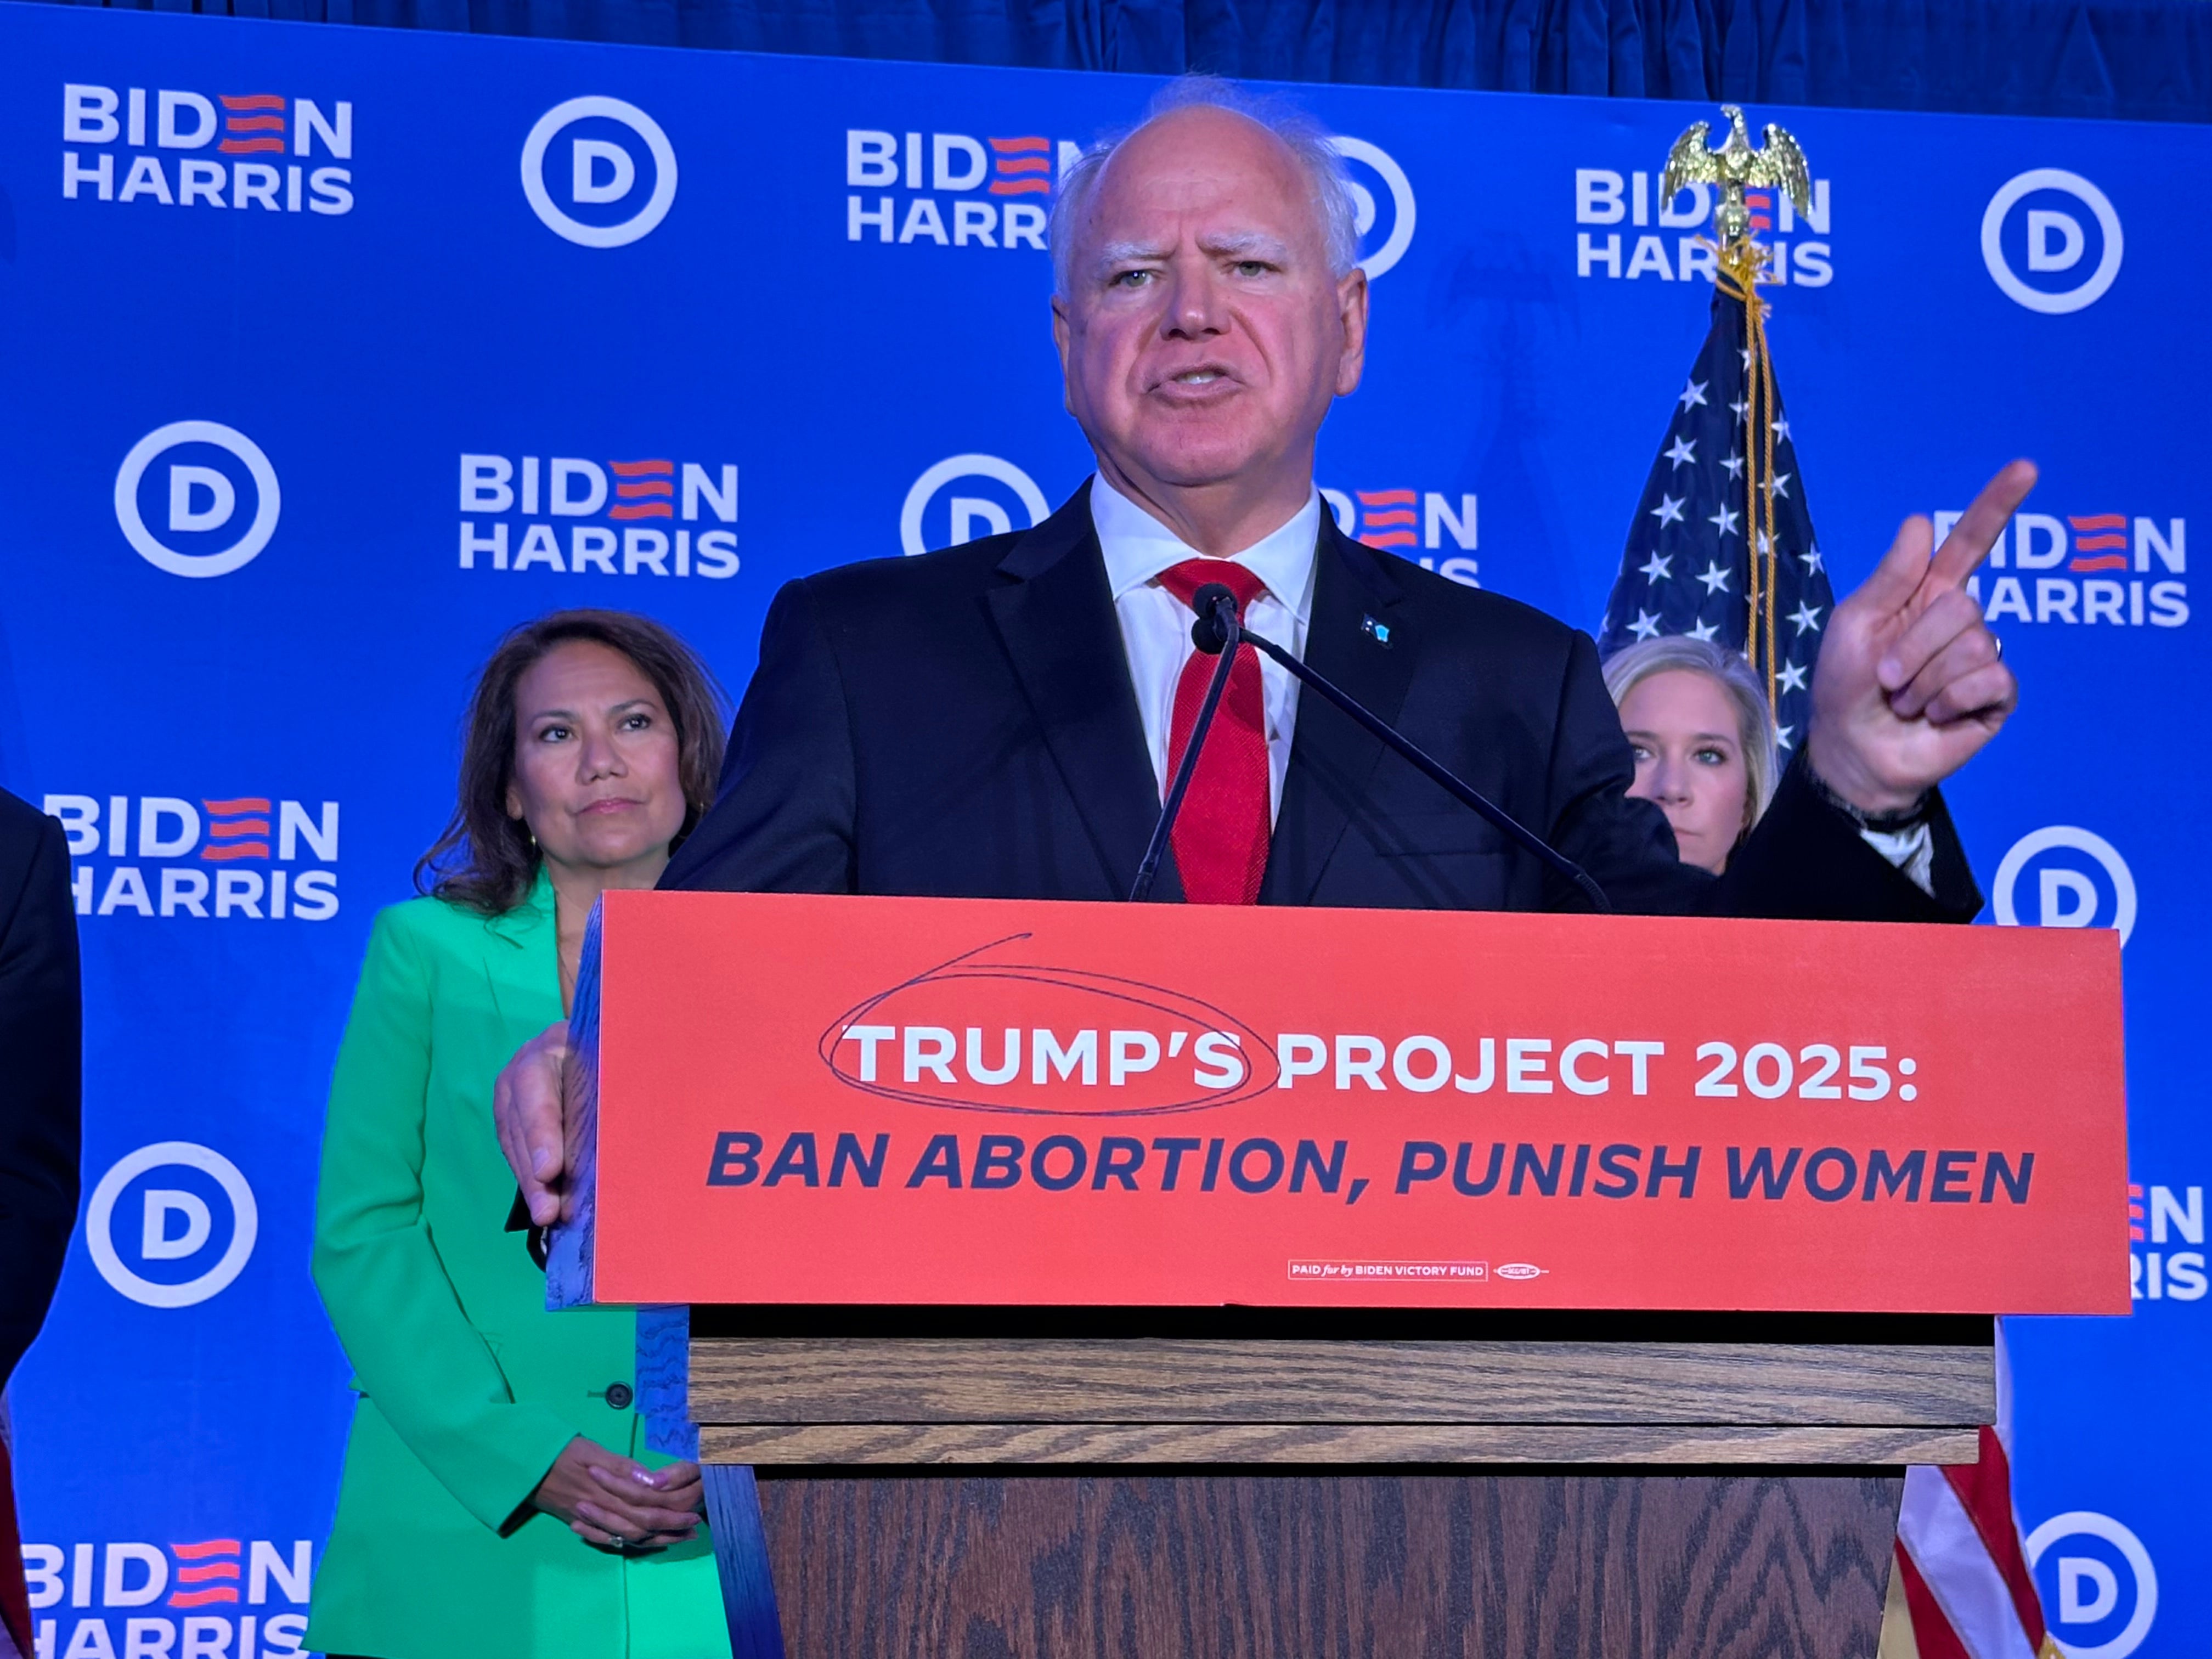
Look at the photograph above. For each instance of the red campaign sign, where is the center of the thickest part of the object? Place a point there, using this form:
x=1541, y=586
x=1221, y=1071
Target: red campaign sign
x=936, y=1101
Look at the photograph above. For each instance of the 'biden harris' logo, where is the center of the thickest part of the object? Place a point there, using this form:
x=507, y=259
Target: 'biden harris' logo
x=197, y=498
x=598, y=172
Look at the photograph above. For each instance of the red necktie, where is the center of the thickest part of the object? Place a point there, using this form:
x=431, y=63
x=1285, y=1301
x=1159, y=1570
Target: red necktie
x=1221, y=835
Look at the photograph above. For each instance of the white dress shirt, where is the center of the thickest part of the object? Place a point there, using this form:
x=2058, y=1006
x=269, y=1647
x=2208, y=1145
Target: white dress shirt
x=1156, y=625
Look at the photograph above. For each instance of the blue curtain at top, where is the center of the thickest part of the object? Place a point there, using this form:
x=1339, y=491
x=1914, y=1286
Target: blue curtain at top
x=2133, y=59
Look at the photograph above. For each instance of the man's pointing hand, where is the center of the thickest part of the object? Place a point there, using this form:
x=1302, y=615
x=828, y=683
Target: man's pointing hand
x=1910, y=682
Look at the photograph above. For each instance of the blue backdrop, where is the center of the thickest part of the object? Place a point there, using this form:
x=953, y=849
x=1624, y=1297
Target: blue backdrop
x=329, y=354
x=2144, y=60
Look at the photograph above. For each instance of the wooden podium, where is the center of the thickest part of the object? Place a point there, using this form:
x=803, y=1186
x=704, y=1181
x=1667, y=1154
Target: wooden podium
x=1060, y=1394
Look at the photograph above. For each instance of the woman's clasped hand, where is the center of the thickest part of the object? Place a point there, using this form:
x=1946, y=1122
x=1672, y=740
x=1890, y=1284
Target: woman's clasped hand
x=612, y=1501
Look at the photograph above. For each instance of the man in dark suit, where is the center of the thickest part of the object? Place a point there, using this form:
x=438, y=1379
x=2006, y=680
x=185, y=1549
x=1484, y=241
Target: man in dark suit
x=39, y=1018
x=1006, y=755
x=999, y=719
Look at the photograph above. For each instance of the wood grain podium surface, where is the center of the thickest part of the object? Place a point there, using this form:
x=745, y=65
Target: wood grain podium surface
x=1236, y=1484
x=1352, y=1566
x=1709, y=1390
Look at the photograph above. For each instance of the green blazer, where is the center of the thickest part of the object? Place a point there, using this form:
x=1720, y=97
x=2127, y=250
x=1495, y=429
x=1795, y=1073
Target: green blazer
x=468, y=1388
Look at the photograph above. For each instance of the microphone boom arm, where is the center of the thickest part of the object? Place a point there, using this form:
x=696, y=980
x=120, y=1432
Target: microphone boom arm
x=1235, y=634
x=1149, y=870
x=1219, y=631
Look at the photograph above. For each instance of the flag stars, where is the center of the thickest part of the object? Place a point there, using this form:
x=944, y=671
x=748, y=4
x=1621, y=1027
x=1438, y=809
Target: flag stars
x=1782, y=736
x=1727, y=436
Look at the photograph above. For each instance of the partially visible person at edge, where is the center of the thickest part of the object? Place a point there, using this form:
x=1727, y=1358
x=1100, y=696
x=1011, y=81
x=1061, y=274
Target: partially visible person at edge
x=497, y=1501
x=1702, y=738
x=40, y=1019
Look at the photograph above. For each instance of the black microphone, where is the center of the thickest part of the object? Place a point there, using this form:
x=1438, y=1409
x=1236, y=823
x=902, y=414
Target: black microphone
x=1210, y=633
x=1217, y=622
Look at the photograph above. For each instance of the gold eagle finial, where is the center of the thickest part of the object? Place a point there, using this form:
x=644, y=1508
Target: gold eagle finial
x=1736, y=167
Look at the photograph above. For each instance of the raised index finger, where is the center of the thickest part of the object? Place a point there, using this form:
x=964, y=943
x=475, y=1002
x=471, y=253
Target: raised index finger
x=1978, y=528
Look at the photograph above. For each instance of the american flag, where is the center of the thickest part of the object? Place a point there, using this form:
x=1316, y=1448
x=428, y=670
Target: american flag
x=1687, y=565
x=1960, y=1586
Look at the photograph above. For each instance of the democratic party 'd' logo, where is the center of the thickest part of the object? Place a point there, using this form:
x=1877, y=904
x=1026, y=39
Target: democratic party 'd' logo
x=2099, y=1589
x=2065, y=877
x=598, y=172
x=989, y=487
x=214, y=496
x=1385, y=233
x=2051, y=240
x=176, y=1231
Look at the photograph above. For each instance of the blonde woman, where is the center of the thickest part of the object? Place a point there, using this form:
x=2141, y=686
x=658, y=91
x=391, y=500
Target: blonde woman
x=1698, y=725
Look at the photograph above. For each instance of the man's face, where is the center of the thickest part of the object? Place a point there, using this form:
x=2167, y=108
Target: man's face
x=1203, y=337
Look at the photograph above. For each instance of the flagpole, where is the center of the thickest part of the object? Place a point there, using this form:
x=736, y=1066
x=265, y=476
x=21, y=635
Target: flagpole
x=1739, y=263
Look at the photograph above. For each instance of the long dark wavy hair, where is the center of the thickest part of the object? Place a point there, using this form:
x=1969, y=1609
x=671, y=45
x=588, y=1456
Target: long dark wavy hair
x=486, y=859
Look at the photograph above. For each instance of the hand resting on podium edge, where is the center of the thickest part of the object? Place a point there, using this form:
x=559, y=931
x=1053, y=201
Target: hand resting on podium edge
x=609, y=1501
x=525, y=1105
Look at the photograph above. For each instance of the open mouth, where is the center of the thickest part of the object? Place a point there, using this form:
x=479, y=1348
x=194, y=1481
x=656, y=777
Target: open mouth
x=1199, y=378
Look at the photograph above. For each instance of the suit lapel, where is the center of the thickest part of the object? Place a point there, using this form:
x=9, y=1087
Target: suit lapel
x=1360, y=637
x=521, y=960
x=1055, y=617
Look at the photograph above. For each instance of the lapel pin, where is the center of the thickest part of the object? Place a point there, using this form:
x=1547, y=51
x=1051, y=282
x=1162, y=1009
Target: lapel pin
x=1379, y=631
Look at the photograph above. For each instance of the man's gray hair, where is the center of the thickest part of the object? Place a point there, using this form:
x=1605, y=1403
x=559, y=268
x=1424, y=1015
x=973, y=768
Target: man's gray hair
x=1308, y=141
x=1630, y=665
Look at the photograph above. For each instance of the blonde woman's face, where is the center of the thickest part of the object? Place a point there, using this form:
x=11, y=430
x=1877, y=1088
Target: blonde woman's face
x=1689, y=761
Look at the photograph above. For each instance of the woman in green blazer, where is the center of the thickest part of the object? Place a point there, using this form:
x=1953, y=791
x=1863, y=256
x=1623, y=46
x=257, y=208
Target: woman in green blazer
x=498, y=1502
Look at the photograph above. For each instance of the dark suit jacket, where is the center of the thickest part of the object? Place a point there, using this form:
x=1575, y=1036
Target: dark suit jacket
x=40, y=1070
x=963, y=724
